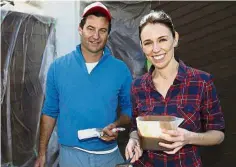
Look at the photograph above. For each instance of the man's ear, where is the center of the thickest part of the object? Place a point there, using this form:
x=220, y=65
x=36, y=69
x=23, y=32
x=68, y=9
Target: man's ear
x=80, y=30
x=176, y=39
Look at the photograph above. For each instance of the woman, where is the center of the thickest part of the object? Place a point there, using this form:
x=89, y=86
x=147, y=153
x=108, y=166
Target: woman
x=172, y=88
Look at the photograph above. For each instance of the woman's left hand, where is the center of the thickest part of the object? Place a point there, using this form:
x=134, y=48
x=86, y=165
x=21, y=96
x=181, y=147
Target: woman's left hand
x=179, y=138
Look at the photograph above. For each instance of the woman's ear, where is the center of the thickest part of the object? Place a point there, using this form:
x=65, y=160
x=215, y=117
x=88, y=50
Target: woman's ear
x=176, y=39
x=140, y=42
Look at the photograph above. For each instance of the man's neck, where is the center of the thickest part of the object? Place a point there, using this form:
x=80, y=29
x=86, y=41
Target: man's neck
x=90, y=57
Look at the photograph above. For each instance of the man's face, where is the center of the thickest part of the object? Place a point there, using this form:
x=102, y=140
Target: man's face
x=94, y=34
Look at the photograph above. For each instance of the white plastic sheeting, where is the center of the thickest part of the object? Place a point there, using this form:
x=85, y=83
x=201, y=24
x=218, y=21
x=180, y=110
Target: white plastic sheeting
x=27, y=49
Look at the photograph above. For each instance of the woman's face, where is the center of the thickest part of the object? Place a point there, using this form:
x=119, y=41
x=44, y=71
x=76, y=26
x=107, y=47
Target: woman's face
x=158, y=44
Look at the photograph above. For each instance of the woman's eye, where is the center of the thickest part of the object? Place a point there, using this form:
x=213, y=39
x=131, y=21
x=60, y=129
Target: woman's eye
x=147, y=43
x=162, y=40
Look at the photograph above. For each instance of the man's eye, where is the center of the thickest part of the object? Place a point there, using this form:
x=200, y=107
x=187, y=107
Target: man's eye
x=90, y=28
x=103, y=31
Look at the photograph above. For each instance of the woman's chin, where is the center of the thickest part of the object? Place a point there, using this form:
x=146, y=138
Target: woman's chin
x=159, y=65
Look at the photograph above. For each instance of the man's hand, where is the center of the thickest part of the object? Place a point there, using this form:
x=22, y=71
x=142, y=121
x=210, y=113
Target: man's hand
x=40, y=161
x=108, y=135
x=179, y=138
x=47, y=124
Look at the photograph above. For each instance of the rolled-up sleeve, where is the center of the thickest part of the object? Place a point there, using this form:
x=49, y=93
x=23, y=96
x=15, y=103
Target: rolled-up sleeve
x=51, y=103
x=212, y=115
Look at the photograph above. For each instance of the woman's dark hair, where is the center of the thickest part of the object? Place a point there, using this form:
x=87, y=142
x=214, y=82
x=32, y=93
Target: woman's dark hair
x=97, y=14
x=155, y=17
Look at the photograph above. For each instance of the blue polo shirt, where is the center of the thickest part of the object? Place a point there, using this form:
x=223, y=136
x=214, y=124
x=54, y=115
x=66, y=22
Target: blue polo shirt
x=80, y=100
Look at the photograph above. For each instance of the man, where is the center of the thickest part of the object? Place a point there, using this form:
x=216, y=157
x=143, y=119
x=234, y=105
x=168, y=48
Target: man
x=82, y=92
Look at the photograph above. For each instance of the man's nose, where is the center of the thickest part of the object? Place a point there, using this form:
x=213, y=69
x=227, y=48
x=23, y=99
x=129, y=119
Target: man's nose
x=96, y=35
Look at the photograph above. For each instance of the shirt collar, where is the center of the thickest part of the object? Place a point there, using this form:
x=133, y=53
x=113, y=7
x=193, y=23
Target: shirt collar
x=182, y=71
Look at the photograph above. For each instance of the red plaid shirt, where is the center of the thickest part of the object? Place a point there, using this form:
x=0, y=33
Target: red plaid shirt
x=192, y=97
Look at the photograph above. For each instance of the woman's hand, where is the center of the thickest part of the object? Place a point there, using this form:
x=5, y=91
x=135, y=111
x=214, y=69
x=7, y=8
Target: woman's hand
x=179, y=138
x=133, y=150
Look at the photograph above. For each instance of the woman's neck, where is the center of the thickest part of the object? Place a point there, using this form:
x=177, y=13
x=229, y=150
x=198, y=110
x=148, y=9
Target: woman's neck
x=168, y=72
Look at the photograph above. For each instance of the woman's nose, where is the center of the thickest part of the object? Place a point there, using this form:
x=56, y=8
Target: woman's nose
x=156, y=47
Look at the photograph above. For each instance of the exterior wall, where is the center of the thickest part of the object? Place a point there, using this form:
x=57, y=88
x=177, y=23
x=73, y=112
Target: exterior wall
x=207, y=41
x=67, y=16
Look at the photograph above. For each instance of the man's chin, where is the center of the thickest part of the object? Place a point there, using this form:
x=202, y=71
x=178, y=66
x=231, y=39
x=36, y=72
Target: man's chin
x=96, y=50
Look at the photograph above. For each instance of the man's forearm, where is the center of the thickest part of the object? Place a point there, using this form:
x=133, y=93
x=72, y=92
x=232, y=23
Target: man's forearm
x=123, y=120
x=211, y=137
x=46, y=127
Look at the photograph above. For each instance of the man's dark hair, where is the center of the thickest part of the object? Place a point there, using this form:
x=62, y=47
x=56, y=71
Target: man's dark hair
x=97, y=14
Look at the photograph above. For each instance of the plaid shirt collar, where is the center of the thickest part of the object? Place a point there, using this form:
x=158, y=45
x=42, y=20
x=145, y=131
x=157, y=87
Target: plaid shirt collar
x=183, y=72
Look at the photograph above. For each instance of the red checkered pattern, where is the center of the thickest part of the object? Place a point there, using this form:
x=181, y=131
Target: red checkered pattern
x=192, y=97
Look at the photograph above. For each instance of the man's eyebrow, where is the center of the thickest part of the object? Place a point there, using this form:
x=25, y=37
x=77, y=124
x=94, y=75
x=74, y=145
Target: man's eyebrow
x=104, y=29
x=90, y=26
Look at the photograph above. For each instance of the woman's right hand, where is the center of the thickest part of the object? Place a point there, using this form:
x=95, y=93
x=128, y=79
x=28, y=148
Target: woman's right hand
x=133, y=150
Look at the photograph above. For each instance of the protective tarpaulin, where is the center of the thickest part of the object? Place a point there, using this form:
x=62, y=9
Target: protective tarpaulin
x=27, y=49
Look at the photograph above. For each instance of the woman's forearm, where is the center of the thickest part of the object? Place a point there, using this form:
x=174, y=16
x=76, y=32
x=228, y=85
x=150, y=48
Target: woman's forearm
x=211, y=137
x=134, y=135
